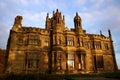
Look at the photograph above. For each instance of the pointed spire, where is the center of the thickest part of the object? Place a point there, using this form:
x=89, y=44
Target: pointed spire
x=47, y=14
x=77, y=16
x=109, y=32
x=100, y=32
x=63, y=17
x=53, y=12
x=76, y=13
x=57, y=10
x=47, y=17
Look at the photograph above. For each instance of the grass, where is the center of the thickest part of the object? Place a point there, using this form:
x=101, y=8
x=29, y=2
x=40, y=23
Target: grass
x=57, y=76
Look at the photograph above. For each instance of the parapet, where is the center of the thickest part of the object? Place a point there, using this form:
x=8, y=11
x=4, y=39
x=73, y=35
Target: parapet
x=25, y=29
x=98, y=36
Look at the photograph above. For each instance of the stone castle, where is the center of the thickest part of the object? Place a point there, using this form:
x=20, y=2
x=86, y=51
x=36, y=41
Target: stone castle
x=57, y=49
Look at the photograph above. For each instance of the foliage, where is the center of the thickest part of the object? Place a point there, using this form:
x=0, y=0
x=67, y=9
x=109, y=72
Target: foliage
x=12, y=76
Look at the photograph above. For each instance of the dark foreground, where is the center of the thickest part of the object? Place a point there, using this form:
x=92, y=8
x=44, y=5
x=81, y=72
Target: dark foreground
x=103, y=76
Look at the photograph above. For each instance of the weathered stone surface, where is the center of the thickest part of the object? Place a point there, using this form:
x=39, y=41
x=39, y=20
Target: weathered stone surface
x=57, y=49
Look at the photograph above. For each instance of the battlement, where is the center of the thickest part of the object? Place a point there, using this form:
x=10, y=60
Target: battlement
x=34, y=30
x=98, y=36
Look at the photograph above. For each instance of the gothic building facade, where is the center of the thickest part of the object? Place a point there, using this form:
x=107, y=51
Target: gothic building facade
x=57, y=49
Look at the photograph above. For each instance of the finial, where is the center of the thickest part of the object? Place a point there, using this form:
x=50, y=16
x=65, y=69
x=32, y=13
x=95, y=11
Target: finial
x=100, y=32
x=47, y=14
x=63, y=17
x=47, y=17
x=76, y=13
x=109, y=32
x=53, y=12
x=57, y=10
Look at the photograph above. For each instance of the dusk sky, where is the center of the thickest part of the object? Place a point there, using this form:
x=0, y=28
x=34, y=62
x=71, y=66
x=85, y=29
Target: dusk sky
x=96, y=15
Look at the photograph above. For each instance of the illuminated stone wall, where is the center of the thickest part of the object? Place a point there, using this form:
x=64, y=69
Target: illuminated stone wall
x=57, y=49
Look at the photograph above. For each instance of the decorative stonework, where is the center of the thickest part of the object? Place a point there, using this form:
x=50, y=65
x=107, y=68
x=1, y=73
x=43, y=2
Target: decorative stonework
x=56, y=49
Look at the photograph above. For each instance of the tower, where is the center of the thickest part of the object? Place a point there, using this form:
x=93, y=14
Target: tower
x=48, y=22
x=78, y=24
x=56, y=22
x=112, y=50
x=17, y=23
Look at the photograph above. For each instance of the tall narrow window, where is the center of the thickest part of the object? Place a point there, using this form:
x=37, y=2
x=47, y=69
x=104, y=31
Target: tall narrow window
x=70, y=41
x=20, y=40
x=97, y=45
x=81, y=59
x=78, y=42
x=58, y=40
x=33, y=63
x=33, y=40
x=86, y=45
x=59, y=57
x=31, y=60
x=71, y=61
x=92, y=45
x=98, y=61
x=46, y=43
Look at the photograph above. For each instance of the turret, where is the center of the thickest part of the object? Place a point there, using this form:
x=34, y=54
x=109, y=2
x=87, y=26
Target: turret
x=63, y=19
x=110, y=35
x=17, y=23
x=109, y=32
x=112, y=50
x=77, y=21
x=57, y=22
x=48, y=22
x=57, y=17
x=78, y=24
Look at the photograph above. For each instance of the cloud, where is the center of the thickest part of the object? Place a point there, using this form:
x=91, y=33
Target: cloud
x=22, y=2
x=69, y=21
x=106, y=18
x=99, y=3
x=118, y=60
x=33, y=18
x=2, y=5
x=4, y=32
x=28, y=2
x=81, y=2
